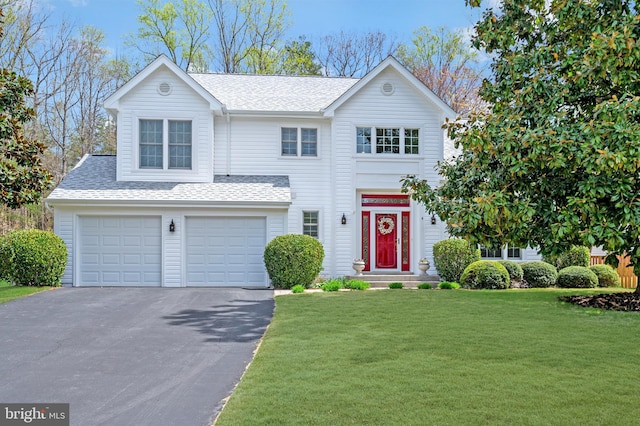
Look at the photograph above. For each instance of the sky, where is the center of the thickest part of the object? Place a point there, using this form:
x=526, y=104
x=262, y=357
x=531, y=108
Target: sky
x=312, y=18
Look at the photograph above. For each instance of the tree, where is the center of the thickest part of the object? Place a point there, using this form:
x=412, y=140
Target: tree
x=298, y=59
x=555, y=161
x=446, y=63
x=22, y=177
x=347, y=54
x=178, y=29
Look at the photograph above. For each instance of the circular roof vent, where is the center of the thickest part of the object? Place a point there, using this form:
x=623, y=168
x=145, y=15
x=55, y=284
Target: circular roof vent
x=164, y=88
x=387, y=88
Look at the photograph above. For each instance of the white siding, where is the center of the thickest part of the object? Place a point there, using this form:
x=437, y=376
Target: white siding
x=144, y=102
x=63, y=227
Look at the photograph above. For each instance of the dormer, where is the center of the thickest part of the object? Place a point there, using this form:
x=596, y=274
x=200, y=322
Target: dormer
x=165, y=126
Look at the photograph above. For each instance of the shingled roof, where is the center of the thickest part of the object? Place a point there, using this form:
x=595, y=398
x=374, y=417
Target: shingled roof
x=274, y=93
x=94, y=180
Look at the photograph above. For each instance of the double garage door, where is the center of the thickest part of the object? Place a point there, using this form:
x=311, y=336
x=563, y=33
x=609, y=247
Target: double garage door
x=127, y=251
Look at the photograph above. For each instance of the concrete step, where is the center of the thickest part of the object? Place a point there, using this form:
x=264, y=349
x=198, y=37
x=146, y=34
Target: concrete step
x=383, y=280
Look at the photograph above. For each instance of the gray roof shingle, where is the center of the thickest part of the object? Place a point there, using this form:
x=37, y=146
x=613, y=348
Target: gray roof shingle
x=274, y=93
x=94, y=179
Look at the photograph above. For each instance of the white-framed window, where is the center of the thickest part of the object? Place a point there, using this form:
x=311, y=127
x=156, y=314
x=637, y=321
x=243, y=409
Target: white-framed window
x=165, y=144
x=310, y=223
x=501, y=252
x=387, y=140
x=299, y=141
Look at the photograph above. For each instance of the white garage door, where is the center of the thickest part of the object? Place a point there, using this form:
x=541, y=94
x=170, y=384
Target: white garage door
x=225, y=251
x=120, y=251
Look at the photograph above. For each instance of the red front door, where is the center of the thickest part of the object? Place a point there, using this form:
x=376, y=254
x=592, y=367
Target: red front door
x=386, y=241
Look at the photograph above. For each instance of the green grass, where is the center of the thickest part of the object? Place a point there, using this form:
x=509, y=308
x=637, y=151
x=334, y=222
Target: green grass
x=514, y=357
x=9, y=292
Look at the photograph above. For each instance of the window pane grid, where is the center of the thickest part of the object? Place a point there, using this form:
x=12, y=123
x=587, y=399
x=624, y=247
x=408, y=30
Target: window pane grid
x=513, y=253
x=363, y=140
x=150, y=144
x=388, y=141
x=494, y=252
x=289, y=141
x=411, y=141
x=180, y=144
x=309, y=139
x=310, y=224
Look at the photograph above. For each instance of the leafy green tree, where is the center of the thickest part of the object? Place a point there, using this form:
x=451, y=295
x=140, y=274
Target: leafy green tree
x=555, y=161
x=299, y=59
x=22, y=177
x=446, y=63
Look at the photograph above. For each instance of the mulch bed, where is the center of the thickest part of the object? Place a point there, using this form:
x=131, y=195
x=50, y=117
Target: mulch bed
x=610, y=301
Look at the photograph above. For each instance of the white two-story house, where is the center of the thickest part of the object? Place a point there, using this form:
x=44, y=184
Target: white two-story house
x=210, y=167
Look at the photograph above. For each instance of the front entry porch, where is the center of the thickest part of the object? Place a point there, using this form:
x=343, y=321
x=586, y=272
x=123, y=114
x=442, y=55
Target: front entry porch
x=408, y=280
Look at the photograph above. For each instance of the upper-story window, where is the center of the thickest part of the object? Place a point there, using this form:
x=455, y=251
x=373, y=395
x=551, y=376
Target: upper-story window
x=165, y=144
x=299, y=140
x=387, y=140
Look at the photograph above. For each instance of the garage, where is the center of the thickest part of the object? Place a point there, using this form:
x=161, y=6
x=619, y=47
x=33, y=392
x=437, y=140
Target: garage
x=225, y=251
x=120, y=251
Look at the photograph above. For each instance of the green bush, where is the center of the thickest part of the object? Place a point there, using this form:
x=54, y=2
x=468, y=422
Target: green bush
x=293, y=259
x=452, y=256
x=445, y=285
x=331, y=285
x=5, y=257
x=577, y=277
x=36, y=258
x=575, y=256
x=395, y=285
x=425, y=286
x=356, y=284
x=514, y=269
x=539, y=274
x=487, y=274
x=607, y=276
x=297, y=289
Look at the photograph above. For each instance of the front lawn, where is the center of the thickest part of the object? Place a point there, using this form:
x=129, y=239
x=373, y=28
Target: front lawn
x=9, y=292
x=445, y=357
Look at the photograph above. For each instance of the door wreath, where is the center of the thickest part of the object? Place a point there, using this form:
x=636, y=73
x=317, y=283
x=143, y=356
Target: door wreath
x=385, y=225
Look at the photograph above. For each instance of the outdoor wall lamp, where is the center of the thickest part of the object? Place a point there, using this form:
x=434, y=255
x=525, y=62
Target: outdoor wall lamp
x=433, y=219
x=344, y=219
x=172, y=226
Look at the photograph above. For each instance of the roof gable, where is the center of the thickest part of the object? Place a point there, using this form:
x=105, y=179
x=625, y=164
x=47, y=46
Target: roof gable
x=391, y=63
x=112, y=103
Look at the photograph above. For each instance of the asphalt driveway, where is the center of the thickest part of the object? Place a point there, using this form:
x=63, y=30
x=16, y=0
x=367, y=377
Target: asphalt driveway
x=130, y=356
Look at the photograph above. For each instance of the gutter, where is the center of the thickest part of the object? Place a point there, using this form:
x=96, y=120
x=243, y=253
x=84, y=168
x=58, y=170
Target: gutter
x=169, y=203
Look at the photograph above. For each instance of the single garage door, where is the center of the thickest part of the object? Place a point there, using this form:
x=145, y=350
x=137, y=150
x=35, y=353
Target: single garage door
x=225, y=251
x=120, y=251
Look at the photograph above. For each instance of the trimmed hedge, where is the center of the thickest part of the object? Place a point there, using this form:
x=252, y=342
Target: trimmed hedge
x=34, y=257
x=607, y=276
x=575, y=256
x=445, y=285
x=488, y=274
x=539, y=274
x=514, y=269
x=452, y=256
x=577, y=277
x=293, y=259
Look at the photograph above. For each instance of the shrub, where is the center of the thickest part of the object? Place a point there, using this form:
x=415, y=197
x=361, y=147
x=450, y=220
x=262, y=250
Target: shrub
x=577, y=277
x=575, y=256
x=356, y=284
x=485, y=274
x=514, y=269
x=445, y=285
x=539, y=274
x=5, y=257
x=297, y=289
x=36, y=258
x=395, y=285
x=293, y=259
x=607, y=276
x=452, y=256
x=425, y=286
x=331, y=285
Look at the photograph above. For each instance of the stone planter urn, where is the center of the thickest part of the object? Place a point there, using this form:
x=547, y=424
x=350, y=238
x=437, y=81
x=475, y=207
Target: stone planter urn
x=424, y=265
x=358, y=266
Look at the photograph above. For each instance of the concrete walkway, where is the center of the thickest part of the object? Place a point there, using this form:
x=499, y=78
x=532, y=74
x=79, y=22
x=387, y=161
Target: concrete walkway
x=130, y=356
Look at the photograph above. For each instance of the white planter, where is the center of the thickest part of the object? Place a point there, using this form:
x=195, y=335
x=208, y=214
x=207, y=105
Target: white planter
x=358, y=267
x=423, y=266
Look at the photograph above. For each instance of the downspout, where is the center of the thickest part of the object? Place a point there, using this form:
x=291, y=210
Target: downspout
x=228, y=165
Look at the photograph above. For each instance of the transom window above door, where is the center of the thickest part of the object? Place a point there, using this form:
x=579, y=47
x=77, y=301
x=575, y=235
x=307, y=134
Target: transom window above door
x=165, y=144
x=387, y=140
x=301, y=142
